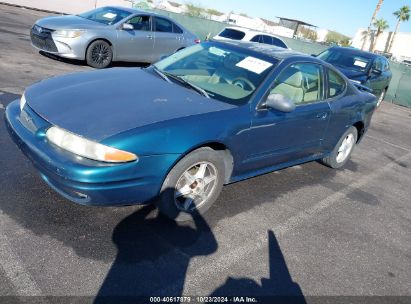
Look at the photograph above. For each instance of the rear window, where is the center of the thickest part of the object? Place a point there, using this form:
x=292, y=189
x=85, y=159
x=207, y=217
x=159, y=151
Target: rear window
x=336, y=84
x=268, y=40
x=163, y=25
x=232, y=34
x=177, y=29
x=279, y=43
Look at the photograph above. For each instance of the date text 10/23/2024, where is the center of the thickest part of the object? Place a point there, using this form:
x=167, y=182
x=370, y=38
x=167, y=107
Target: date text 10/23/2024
x=201, y=299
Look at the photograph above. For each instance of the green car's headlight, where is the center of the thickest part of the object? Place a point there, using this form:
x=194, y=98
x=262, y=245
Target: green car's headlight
x=22, y=102
x=68, y=33
x=87, y=148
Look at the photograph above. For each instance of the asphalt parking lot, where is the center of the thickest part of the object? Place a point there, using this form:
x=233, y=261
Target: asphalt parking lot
x=306, y=230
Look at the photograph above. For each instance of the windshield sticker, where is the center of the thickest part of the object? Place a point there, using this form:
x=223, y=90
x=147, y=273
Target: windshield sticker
x=109, y=15
x=254, y=65
x=216, y=51
x=360, y=63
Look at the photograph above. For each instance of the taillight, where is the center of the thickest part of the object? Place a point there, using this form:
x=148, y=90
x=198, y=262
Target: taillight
x=197, y=41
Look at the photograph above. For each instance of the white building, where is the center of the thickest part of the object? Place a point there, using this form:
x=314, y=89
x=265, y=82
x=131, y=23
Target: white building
x=322, y=34
x=401, y=47
x=240, y=20
x=171, y=6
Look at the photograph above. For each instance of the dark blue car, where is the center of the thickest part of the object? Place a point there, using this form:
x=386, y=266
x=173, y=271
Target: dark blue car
x=174, y=133
x=365, y=68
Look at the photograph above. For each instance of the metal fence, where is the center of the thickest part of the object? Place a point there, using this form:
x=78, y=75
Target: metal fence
x=399, y=91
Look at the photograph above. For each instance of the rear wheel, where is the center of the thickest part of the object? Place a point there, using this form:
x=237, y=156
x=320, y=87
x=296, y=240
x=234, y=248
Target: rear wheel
x=193, y=185
x=343, y=149
x=99, y=54
x=381, y=97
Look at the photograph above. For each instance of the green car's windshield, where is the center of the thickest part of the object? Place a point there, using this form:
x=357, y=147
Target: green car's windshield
x=106, y=15
x=346, y=60
x=223, y=73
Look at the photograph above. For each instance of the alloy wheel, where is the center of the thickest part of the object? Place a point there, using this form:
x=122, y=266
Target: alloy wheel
x=100, y=54
x=345, y=148
x=195, y=186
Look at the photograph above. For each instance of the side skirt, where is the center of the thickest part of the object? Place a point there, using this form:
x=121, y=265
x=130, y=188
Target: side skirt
x=238, y=178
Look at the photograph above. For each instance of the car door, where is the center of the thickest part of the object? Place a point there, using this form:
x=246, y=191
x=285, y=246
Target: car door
x=136, y=44
x=166, y=41
x=278, y=137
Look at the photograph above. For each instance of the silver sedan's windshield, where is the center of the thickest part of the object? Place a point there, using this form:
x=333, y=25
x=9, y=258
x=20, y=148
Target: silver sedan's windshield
x=223, y=73
x=106, y=15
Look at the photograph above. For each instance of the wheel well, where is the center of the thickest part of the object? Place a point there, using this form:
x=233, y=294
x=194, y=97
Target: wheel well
x=226, y=155
x=359, y=125
x=104, y=39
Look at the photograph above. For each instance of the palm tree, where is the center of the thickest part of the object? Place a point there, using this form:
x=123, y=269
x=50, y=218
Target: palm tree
x=381, y=25
x=403, y=14
x=377, y=9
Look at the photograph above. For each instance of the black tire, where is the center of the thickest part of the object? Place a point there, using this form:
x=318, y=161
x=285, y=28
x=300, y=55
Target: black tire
x=168, y=204
x=381, y=97
x=99, y=54
x=331, y=160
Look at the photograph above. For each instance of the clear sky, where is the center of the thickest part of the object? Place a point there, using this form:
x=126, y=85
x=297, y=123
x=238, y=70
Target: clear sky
x=344, y=16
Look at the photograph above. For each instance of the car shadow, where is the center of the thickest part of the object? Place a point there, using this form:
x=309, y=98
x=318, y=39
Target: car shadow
x=271, y=187
x=83, y=62
x=28, y=200
x=277, y=288
x=148, y=263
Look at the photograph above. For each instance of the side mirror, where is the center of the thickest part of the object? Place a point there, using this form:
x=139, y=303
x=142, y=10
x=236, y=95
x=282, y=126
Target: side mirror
x=376, y=71
x=127, y=27
x=313, y=55
x=280, y=103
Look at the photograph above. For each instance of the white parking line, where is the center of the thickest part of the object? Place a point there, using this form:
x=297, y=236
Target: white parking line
x=387, y=142
x=225, y=262
x=1, y=106
x=13, y=267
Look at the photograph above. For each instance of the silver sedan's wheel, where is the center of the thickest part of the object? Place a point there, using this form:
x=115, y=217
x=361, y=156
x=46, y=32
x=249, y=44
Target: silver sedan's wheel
x=345, y=149
x=99, y=54
x=195, y=186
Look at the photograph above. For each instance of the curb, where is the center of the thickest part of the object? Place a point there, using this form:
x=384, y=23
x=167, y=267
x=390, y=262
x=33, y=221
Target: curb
x=32, y=8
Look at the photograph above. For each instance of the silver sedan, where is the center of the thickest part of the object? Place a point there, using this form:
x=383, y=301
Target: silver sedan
x=109, y=34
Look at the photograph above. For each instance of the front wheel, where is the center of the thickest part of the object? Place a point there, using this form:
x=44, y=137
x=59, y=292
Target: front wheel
x=343, y=149
x=193, y=185
x=99, y=54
